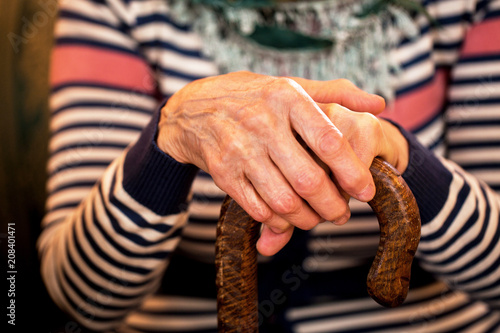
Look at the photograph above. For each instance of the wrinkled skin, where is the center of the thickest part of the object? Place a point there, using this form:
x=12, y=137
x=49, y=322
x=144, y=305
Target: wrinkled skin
x=289, y=151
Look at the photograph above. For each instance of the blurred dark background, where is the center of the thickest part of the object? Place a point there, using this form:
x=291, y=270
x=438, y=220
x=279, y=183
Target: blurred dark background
x=26, y=38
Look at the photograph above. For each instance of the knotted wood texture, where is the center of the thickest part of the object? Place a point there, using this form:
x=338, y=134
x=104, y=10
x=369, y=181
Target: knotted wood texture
x=389, y=276
x=399, y=219
x=236, y=264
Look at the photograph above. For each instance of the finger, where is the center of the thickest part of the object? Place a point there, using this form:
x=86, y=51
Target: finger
x=307, y=178
x=270, y=242
x=330, y=145
x=244, y=193
x=343, y=92
x=275, y=190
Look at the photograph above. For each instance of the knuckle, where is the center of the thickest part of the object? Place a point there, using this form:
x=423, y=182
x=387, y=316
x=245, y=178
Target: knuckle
x=261, y=213
x=285, y=204
x=307, y=182
x=331, y=142
x=280, y=87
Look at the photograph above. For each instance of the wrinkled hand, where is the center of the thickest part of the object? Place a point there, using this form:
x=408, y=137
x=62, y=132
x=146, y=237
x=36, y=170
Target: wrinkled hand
x=245, y=129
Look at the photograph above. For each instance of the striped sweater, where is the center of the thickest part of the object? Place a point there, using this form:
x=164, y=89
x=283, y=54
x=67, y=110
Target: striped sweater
x=128, y=238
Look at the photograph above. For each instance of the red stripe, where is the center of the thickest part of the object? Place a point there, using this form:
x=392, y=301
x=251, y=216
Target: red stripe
x=415, y=109
x=83, y=63
x=483, y=38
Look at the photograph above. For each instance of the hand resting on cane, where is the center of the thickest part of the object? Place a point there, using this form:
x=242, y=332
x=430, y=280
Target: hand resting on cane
x=242, y=128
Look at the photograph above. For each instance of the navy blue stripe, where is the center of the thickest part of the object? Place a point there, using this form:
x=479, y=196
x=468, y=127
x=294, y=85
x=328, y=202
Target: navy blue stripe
x=79, y=164
x=493, y=14
x=110, y=106
x=416, y=60
x=477, y=123
x=66, y=14
x=92, y=301
x=470, y=103
x=97, y=249
x=492, y=267
x=101, y=86
x=483, y=80
x=133, y=237
x=82, y=147
x=202, y=221
x=81, y=274
x=493, y=166
x=414, y=86
x=76, y=184
x=180, y=75
x=99, y=271
x=161, y=18
x=470, y=246
x=461, y=197
x=202, y=198
x=164, y=45
x=66, y=204
x=136, y=218
x=404, y=322
x=448, y=45
x=83, y=313
x=494, y=328
x=471, y=221
x=121, y=249
x=482, y=144
x=175, y=330
x=97, y=126
x=478, y=58
x=95, y=44
x=463, y=327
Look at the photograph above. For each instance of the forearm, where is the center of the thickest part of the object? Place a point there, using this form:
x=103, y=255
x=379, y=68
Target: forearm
x=110, y=252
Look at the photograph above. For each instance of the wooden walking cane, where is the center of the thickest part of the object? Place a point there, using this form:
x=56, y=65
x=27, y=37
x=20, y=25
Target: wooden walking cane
x=388, y=278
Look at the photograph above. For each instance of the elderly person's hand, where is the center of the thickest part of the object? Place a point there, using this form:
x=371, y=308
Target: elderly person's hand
x=248, y=132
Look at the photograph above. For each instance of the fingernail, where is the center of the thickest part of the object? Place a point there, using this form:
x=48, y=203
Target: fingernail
x=367, y=193
x=343, y=219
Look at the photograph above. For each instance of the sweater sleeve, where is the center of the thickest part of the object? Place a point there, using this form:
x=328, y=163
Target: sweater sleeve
x=459, y=196
x=116, y=203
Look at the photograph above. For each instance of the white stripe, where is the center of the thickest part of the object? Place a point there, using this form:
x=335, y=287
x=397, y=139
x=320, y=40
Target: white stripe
x=171, y=322
x=476, y=70
x=470, y=111
x=485, y=324
x=474, y=155
x=93, y=136
x=382, y=317
x=66, y=196
x=199, y=231
x=483, y=133
x=186, y=40
x=484, y=89
x=89, y=9
x=435, y=224
x=69, y=177
x=206, y=186
x=190, y=65
x=340, y=307
x=158, y=303
x=466, y=210
x=416, y=73
x=74, y=157
x=70, y=28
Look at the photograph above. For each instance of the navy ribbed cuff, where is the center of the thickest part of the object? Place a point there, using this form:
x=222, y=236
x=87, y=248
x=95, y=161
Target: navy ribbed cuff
x=427, y=178
x=155, y=179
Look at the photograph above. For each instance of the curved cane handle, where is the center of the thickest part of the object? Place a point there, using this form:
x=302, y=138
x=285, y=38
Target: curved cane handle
x=389, y=276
